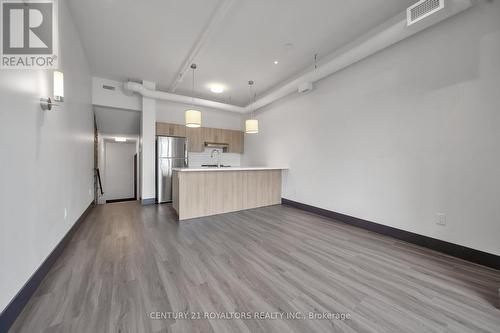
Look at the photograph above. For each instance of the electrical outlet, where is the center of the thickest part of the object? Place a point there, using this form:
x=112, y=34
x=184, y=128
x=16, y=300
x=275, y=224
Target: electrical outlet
x=90, y=192
x=441, y=219
x=65, y=213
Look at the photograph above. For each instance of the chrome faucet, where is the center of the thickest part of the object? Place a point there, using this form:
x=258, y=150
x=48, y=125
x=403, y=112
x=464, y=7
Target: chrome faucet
x=218, y=156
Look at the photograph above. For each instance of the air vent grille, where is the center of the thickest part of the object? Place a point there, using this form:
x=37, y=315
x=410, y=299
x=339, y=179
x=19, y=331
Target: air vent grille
x=104, y=86
x=422, y=9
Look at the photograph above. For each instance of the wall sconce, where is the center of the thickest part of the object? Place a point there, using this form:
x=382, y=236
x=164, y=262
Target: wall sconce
x=46, y=103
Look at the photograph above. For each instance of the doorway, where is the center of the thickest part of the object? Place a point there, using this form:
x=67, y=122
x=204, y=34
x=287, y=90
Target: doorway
x=121, y=179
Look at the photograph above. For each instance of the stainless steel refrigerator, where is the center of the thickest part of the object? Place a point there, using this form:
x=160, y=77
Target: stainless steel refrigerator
x=170, y=153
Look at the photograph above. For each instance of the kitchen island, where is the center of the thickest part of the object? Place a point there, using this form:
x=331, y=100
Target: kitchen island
x=198, y=192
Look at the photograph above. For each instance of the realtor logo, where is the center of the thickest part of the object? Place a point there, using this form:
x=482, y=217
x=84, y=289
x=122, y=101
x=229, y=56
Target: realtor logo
x=28, y=34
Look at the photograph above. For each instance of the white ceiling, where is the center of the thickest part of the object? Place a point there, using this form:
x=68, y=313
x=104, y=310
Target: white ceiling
x=151, y=39
x=117, y=122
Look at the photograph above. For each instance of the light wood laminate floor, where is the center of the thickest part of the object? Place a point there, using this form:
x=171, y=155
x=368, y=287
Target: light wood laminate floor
x=127, y=261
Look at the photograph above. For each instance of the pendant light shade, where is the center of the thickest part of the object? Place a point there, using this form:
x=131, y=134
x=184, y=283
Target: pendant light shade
x=252, y=126
x=193, y=118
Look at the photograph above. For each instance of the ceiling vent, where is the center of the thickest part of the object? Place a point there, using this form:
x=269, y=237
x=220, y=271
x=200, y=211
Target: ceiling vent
x=422, y=9
x=107, y=87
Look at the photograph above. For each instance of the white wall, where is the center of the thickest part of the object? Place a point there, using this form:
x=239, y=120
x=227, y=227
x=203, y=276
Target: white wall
x=148, y=136
x=119, y=170
x=409, y=132
x=47, y=161
x=117, y=122
x=113, y=98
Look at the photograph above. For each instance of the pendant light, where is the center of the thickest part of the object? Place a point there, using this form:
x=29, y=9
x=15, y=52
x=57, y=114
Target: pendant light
x=252, y=124
x=193, y=117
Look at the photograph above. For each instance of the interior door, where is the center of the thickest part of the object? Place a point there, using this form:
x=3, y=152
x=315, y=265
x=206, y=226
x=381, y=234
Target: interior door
x=119, y=171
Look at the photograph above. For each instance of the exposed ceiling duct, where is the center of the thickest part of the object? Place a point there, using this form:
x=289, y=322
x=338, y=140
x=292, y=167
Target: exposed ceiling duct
x=156, y=94
x=385, y=35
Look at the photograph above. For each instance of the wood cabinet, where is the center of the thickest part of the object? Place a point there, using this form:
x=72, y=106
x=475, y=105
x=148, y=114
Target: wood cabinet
x=208, y=134
x=232, y=137
x=204, y=193
x=198, y=136
x=213, y=135
x=167, y=129
x=195, y=139
x=225, y=136
x=236, y=140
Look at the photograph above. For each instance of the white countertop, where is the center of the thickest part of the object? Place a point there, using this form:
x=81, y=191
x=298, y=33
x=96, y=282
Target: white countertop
x=226, y=169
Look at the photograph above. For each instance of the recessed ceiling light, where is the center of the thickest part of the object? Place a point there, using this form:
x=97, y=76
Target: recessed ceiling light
x=216, y=88
x=276, y=62
x=119, y=139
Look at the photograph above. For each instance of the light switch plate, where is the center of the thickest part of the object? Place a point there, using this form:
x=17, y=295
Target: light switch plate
x=441, y=219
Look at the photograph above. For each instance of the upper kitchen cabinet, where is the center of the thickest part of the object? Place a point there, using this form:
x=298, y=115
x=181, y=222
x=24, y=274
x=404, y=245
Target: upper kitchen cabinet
x=231, y=137
x=167, y=129
x=213, y=135
x=196, y=143
x=236, y=142
x=198, y=136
